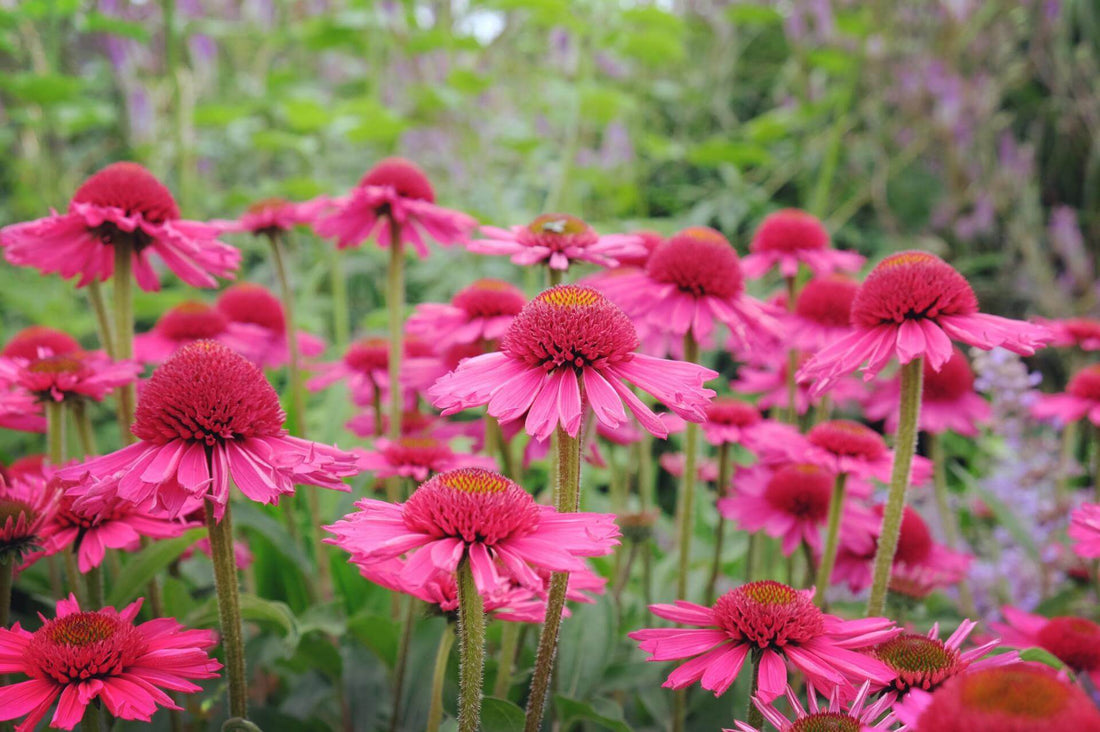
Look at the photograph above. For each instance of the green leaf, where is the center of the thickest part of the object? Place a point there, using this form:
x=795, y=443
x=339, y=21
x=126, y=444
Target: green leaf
x=378, y=633
x=759, y=15
x=41, y=89
x=720, y=151
x=587, y=644
x=1043, y=656
x=219, y=115
x=250, y=516
x=253, y=608
x=146, y=564
x=96, y=22
x=602, y=712
x=306, y=115
x=500, y=715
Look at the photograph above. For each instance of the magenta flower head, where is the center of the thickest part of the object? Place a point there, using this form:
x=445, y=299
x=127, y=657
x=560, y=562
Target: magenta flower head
x=734, y=421
x=73, y=375
x=185, y=323
x=82, y=657
x=568, y=349
x=790, y=237
x=822, y=312
x=1075, y=641
x=477, y=514
x=478, y=313
x=205, y=418
x=30, y=342
x=27, y=505
x=1084, y=529
x=395, y=191
x=912, y=305
x=844, y=446
x=1084, y=333
x=417, y=458
x=691, y=283
x=858, y=715
x=788, y=502
x=272, y=216
x=122, y=201
x=777, y=624
x=257, y=327
x=558, y=240
x=1080, y=400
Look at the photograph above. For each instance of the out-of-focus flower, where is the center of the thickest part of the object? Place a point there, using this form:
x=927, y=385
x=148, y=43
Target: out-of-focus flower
x=257, y=326
x=1075, y=641
x=73, y=375
x=481, y=312
x=788, y=502
x=1084, y=529
x=1081, y=399
x=822, y=312
x=855, y=716
x=1084, y=333
x=179, y=325
x=790, y=237
x=417, y=458
x=557, y=240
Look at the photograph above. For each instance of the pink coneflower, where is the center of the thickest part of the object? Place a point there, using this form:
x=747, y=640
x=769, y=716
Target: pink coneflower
x=19, y=410
x=558, y=240
x=477, y=514
x=365, y=368
x=822, y=312
x=1075, y=641
x=205, y=418
x=844, y=446
x=650, y=240
x=395, y=191
x=567, y=336
x=788, y=502
x=706, y=469
x=948, y=400
x=692, y=283
x=769, y=382
x=121, y=202
x=481, y=312
x=1084, y=333
x=27, y=504
x=413, y=424
x=112, y=523
x=185, y=323
x=926, y=662
x=29, y=342
x=944, y=567
x=912, y=305
x=257, y=326
x=790, y=237
x=417, y=458
x=274, y=215
x=855, y=716
x=1084, y=529
x=84, y=657
x=774, y=622
x=1080, y=400
x=1017, y=698
x=732, y=421
x=78, y=374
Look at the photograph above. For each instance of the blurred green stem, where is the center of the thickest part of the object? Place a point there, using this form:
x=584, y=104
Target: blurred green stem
x=686, y=507
x=509, y=642
x=341, y=328
x=401, y=665
x=7, y=576
x=832, y=539
x=905, y=444
x=439, y=675
x=83, y=423
x=755, y=716
x=227, y=588
x=55, y=432
x=471, y=648
x=721, y=488
x=102, y=319
x=395, y=306
x=124, y=327
x=792, y=359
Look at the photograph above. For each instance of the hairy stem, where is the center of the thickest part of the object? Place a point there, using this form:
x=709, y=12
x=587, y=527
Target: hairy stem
x=227, y=587
x=439, y=675
x=832, y=539
x=124, y=328
x=686, y=506
x=102, y=319
x=720, y=530
x=509, y=643
x=395, y=306
x=471, y=649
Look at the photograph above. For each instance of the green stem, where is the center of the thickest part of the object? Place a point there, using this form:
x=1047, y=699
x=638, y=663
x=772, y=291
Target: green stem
x=752, y=555
x=55, y=432
x=1069, y=446
x=402, y=664
x=509, y=642
x=686, y=507
x=832, y=539
x=93, y=578
x=471, y=648
x=7, y=577
x=496, y=443
x=439, y=675
x=567, y=498
x=341, y=323
x=792, y=359
x=294, y=364
x=227, y=587
x=905, y=444
x=755, y=716
x=720, y=530
x=395, y=306
x=72, y=575
x=92, y=719
x=947, y=516
x=102, y=320
x=124, y=328
x=84, y=432
x=554, y=276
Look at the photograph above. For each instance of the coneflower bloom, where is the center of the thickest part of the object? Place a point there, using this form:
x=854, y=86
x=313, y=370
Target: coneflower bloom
x=844, y=446
x=121, y=202
x=768, y=381
x=477, y=514
x=568, y=336
x=481, y=312
x=557, y=240
x=393, y=191
x=274, y=215
x=912, y=305
x=109, y=523
x=19, y=410
x=788, y=502
x=822, y=312
x=365, y=368
x=1080, y=400
x=926, y=662
x=691, y=284
x=733, y=421
x=417, y=458
x=414, y=423
x=1084, y=529
x=790, y=237
x=777, y=624
x=179, y=325
x=207, y=417
x=948, y=400
x=257, y=326
x=27, y=504
x=74, y=375
x=1075, y=641
x=858, y=715
x=1084, y=333
x=82, y=657
x=31, y=341
x=1017, y=698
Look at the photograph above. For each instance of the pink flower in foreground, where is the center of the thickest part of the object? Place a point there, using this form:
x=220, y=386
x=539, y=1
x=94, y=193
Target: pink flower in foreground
x=1080, y=400
x=1084, y=529
x=84, y=657
x=948, y=400
x=257, y=327
x=27, y=504
x=477, y=514
x=417, y=458
x=567, y=336
x=777, y=624
x=822, y=312
x=788, y=502
x=481, y=312
x=558, y=240
x=185, y=323
x=790, y=237
x=855, y=716
x=393, y=192
x=206, y=418
x=74, y=375
x=691, y=284
x=925, y=662
x=912, y=305
x=1017, y=698
x=1075, y=641
x=122, y=201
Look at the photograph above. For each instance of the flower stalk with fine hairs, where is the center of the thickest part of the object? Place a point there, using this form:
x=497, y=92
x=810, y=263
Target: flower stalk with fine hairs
x=227, y=589
x=832, y=539
x=439, y=675
x=471, y=648
x=686, y=504
x=905, y=444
